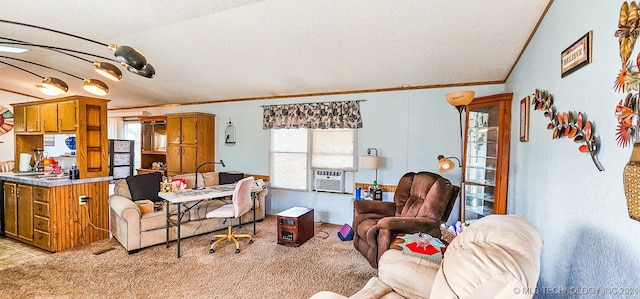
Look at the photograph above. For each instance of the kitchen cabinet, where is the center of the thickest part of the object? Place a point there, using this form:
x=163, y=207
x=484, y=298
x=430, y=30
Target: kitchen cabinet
x=49, y=117
x=44, y=117
x=18, y=208
x=83, y=116
x=19, y=118
x=49, y=217
x=58, y=117
x=10, y=210
x=33, y=118
x=153, y=147
x=486, y=156
x=26, y=118
x=190, y=142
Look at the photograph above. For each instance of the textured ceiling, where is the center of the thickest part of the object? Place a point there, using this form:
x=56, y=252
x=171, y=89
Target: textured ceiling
x=206, y=51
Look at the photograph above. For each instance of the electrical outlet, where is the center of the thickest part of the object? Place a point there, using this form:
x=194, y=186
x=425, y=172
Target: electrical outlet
x=82, y=199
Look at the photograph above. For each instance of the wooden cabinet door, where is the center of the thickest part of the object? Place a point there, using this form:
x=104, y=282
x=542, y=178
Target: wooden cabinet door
x=20, y=119
x=173, y=130
x=67, y=116
x=49, y=117
x=189, y=158
x=33, y=118
x=174, y=159
x=10, y=210
x=25, y=212
x=189, y=130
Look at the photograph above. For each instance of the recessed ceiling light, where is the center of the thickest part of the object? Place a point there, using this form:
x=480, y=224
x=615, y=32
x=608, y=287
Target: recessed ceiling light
x=12, y=49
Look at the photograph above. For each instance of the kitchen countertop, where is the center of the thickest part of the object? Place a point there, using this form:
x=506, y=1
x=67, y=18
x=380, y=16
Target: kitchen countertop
x=24, y=178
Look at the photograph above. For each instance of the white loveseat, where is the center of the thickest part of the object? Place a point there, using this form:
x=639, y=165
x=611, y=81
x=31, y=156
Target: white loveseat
x=136, y=230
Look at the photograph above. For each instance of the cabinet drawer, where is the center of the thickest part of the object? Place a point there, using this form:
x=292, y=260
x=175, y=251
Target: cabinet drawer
x=41, y=209
x=41, y=223
x=42, y=239
x=41, y=194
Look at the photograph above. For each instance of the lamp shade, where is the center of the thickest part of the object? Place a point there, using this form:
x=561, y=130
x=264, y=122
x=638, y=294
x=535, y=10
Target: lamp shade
x=368, y=162
x=108, y=70
x=129, y=56
x=53, y=86
x=445, y=165
x=460, y=98
x=96, y=87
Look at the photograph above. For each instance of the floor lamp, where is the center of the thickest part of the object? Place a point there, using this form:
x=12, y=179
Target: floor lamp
x=459, y=100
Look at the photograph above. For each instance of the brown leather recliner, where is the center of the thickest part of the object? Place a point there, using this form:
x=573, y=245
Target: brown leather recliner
x=422, y=201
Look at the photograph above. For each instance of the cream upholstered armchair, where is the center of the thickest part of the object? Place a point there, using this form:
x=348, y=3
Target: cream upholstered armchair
x=496, y=257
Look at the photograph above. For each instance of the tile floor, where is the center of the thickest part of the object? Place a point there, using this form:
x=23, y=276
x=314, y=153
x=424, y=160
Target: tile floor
x=13, y=252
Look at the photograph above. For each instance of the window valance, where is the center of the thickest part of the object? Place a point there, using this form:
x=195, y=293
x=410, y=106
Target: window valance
x=326, y=115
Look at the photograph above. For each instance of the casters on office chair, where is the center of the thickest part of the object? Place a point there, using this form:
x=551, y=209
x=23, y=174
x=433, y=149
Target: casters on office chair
x=250, y=241
x=237, y=250
x=211, y=250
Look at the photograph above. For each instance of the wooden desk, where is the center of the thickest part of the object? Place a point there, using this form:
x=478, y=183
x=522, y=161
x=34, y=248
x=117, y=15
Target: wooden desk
x=194, y=197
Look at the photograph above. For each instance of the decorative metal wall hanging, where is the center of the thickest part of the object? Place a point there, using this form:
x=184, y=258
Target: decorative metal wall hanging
x=627, y=110
x=230, y=134
x=628, y=79
x=569, y=124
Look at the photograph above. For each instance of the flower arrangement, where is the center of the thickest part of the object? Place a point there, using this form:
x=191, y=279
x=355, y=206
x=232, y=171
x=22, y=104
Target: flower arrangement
x=628, y=79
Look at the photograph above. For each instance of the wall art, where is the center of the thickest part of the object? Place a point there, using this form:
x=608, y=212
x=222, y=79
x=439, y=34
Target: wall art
x=577, y=55
x=524, y=119
x=570, y=124
x=6, y=120
x=627, y=111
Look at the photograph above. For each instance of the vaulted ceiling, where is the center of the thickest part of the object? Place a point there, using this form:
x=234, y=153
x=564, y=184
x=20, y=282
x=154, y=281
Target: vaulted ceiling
x=208, y=51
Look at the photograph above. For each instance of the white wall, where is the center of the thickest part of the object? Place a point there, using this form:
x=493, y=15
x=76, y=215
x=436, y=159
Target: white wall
x=589, y=239
x=409, y=129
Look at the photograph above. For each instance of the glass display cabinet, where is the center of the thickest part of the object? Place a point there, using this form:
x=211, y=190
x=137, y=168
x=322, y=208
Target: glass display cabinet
x=485, y=168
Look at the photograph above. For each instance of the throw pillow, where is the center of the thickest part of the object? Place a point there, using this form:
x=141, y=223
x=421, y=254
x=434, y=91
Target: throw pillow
x=229, y=177
x=145, y=186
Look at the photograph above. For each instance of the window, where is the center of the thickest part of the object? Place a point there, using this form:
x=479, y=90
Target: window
x=131, y=131
x=294, y=151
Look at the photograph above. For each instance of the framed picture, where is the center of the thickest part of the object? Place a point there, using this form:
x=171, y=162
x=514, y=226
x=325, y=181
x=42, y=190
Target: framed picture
x=577, y=55
x=524, y=119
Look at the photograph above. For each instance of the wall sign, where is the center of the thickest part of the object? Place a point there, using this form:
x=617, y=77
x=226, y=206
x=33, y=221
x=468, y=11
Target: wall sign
x=577, y=55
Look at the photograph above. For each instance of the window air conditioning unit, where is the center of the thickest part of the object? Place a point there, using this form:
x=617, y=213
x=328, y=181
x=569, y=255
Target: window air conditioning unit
x=328, y=180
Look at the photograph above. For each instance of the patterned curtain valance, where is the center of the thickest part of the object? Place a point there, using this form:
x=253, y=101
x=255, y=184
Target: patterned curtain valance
x=327, y=115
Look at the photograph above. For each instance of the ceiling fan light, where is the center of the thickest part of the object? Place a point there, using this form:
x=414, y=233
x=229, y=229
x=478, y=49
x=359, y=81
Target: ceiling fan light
x=148, y=71
x=14, y=50
x=53, y=86
x=108, y=70
x=129, y=56
x=460, y=98
x=95, y=87
x=47, y=91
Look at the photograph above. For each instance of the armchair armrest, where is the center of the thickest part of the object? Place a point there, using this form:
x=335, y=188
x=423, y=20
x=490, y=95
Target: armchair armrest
x=124, y=207
x=374, y=207
x=410, y=225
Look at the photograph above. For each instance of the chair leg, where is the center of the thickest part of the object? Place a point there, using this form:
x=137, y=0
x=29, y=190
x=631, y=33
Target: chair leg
x=230, y=236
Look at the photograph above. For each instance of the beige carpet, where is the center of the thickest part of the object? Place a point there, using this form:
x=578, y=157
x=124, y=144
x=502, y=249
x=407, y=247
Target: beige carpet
x=263, y=269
